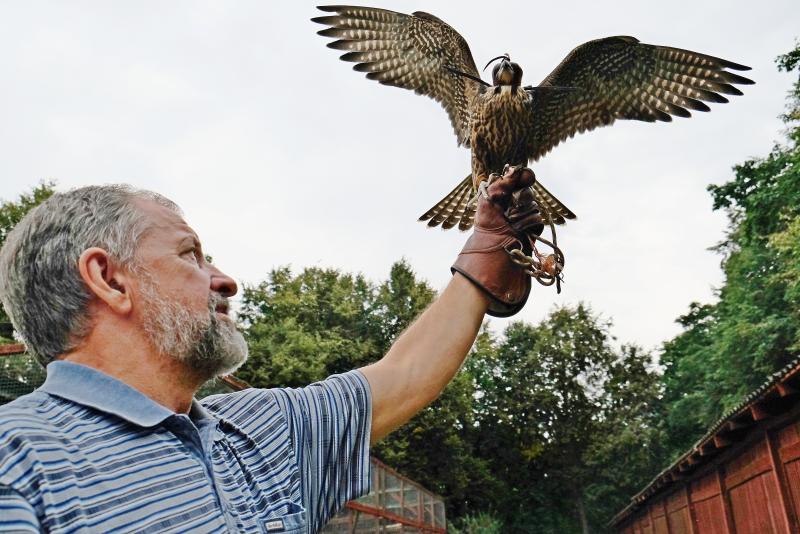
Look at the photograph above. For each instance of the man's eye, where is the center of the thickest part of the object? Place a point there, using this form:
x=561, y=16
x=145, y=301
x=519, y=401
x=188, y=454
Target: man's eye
x=192, y=253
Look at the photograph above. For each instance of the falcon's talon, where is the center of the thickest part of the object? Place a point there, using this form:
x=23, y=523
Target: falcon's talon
x=483, y=190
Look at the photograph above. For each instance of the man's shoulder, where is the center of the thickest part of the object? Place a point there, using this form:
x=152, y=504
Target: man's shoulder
x=26, y=413
x=28, y=425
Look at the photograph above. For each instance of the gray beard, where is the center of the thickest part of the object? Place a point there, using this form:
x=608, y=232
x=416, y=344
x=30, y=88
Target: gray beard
x=206, y=344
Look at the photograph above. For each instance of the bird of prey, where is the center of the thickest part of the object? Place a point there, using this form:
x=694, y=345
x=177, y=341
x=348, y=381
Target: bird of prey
x=503, y=123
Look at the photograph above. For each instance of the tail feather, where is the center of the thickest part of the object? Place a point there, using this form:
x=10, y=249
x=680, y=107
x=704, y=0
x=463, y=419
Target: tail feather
x=450, y=205
x=458, y=212
x=468, y=218
x=447, y=210
x=458, y=207
x=552, y=207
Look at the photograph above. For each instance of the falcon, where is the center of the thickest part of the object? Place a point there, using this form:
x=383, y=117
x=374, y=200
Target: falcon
x=506, y=123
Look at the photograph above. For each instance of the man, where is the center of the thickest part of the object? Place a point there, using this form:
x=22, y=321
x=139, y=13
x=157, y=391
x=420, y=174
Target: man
x=109, y=288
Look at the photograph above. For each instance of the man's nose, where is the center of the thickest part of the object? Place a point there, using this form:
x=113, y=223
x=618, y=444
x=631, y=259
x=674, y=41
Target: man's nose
x=222, y=283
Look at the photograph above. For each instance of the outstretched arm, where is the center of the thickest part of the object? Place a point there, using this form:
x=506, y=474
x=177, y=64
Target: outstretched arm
x=425, y=357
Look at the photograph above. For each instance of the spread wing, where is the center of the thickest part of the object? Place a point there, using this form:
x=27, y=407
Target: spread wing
x=410, y=51
x=621, y=78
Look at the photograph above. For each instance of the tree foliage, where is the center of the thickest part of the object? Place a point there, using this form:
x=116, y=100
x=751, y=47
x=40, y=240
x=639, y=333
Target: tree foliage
x=731, y=346
x=528, y=432
x=552, y=427
x=549, y=427
x=11, y=212
x=566, y=421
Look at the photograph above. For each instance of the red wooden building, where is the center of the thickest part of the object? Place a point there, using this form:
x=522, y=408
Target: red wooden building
x=742, y=477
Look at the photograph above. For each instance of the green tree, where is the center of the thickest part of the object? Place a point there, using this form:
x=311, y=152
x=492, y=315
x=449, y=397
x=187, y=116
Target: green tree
x=728, y=348
x=11, y=212
x=302, y=328
x=627, y=449
x=565, y=420
x=480, y=523
x=19, y=374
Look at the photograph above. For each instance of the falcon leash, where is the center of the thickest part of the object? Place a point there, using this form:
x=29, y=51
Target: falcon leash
x=547, y=269
x=544, y=268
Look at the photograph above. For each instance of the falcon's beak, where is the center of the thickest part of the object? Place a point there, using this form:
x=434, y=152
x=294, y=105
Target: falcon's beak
x=505, y=74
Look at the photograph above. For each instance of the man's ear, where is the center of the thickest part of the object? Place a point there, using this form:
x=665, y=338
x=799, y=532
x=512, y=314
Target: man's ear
x=108, y=282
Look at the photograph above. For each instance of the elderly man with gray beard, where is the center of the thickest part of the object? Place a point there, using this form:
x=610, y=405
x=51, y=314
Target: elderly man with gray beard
x=110, y=289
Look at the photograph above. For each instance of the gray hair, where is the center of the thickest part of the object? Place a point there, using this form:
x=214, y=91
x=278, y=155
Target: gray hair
x=40, y=284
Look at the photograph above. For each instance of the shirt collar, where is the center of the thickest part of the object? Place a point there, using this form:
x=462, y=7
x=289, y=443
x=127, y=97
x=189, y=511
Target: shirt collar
x=90, y=387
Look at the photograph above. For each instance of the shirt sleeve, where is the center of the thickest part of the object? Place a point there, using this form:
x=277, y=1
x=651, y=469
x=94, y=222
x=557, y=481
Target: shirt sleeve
x=331, y=422
x=16, y=514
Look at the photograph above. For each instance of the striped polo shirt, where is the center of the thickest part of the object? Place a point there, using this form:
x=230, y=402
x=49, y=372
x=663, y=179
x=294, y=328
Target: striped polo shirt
x=87, y=453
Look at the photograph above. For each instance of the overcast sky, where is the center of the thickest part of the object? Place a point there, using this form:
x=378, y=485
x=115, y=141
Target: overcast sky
x=280, y=154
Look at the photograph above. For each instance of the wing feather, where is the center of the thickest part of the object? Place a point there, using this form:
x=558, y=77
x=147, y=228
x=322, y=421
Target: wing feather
x=619, y=78
x=414, y=52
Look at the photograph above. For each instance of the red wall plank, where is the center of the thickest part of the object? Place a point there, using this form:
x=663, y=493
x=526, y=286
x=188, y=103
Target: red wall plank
x=754, y=506
x=751, y=463
x=676, y=501
x=679, y=521
x=789, y=435
x=645, y=527
x=705, y=487
x=710, y=516
x=793, y=478
x=755, y=492
x=788, y=441
x=660, y=525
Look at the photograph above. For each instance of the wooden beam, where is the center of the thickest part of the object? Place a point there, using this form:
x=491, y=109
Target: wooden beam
x=790, y=521
x=726, y=500
x=690, y=506
x=380, y=512
x=234, y=382
x=785, y=390
x=738, y=425
x=708, y=448
x=721, y=442
x=759, y=413
x=13, y=348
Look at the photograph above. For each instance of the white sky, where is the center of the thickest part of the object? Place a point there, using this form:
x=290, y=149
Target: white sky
x=280, y=154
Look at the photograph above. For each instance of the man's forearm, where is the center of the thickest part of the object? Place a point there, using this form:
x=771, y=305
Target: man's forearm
x=426, y=356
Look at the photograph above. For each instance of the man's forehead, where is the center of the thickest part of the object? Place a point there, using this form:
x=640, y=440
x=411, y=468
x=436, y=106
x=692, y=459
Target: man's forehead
x=163, y=220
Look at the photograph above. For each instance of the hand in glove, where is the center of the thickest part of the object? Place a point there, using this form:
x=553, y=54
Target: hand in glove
x=506, y=213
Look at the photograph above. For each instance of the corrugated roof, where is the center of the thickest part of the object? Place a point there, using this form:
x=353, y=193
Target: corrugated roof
x=774, y=387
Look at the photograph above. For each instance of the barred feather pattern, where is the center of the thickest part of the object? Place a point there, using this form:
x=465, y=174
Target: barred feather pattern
x=414, y=52
x=621, y=78
x=458, y=207
x=597, y=83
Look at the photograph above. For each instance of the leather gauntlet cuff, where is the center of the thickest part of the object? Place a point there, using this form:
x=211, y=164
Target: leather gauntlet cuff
x=486, y=263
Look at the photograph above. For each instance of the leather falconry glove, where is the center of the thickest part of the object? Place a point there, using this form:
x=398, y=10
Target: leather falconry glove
x=506, y=213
